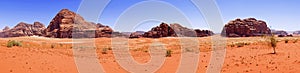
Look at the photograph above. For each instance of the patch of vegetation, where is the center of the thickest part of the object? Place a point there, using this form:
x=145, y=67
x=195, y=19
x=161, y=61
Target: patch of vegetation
x=52, y=46
x=286, y=40
x=146, y=51
x=296, y=40
x=273, y=43
x=169, y=53
x=104, y=50
x=13, y=43
x=61, y=45
x=240, y=44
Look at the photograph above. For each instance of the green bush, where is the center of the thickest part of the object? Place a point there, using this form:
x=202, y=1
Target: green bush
x=168, y=53
x=13, y=43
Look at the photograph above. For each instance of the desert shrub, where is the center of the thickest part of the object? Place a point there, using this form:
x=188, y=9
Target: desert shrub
x=104, y=51
x=146, y=51
x=295, y=41
x=61, y=45
x=168, y=53
x=240, y=44
x=232, y=45
x=286, y=40
x=13, y=43
x=52, y=46
x=273, y=43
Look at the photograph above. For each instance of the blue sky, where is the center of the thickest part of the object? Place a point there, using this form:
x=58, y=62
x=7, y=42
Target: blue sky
x=279, y=14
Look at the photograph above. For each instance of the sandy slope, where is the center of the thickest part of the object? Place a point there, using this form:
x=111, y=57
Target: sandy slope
x=44, y=55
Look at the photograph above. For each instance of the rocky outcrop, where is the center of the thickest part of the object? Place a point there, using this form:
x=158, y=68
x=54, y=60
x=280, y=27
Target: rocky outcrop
x=67, y=24
x=137, y=34
x=246, y=28
x=203, y=33
x=174, y=30
x=163, y=30
x=24, y=29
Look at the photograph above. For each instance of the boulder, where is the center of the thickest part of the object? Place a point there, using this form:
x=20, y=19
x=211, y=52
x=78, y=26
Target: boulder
x=246, y=28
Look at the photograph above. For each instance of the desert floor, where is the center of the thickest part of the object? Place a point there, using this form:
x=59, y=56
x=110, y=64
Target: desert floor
x=49, y=55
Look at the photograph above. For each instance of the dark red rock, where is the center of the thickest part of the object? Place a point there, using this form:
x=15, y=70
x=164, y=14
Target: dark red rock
x=246, y=28
x=203, y=33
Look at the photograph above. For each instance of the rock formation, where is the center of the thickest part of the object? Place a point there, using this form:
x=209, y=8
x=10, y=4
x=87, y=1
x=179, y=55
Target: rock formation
x=183, y=31
x=174, y=30
x=163, y=30
x=246, y=28
x=137, y=34
x=203, y=33
x=67, y=24
x=24, y=29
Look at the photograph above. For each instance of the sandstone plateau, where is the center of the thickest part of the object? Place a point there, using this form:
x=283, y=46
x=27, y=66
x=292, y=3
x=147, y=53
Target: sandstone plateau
x=246, y=28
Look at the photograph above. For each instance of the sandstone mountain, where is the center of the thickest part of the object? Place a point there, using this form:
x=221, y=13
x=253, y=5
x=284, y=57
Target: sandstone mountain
x=24, y=29
x=67, y=24
x=280, y=33
x=163, y=30
x=6, y=28
x=246, y=28
x=174, y=30
x=296, y=33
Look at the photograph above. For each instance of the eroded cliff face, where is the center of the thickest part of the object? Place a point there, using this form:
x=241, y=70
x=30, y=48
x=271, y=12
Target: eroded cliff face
x=246, y=28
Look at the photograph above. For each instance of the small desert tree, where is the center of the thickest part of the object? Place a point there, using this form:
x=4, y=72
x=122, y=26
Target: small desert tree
x=273, y=43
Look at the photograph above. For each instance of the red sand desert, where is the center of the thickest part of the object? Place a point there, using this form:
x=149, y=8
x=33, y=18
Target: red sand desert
x=40, y=55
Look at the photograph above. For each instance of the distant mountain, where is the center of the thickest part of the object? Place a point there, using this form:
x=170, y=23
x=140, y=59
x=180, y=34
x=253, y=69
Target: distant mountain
x=174, y=30
x=246, y=28
x=296, y=32
x=280, y=33
x=24, y=29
